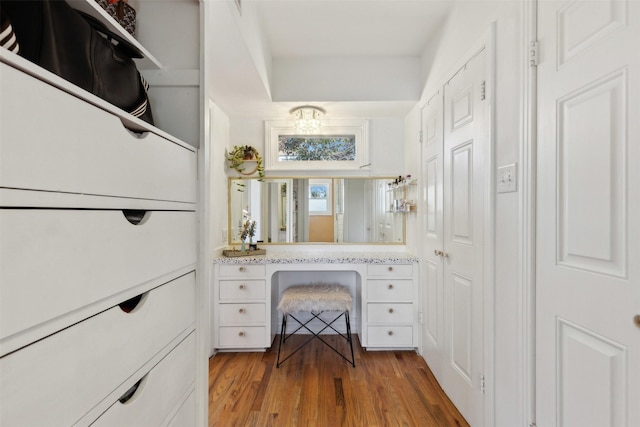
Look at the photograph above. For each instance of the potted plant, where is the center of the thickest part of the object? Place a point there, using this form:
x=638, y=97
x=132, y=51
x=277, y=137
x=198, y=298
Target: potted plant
x=242, y=154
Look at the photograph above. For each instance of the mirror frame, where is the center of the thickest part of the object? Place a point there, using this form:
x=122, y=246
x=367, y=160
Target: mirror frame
x=230, y=182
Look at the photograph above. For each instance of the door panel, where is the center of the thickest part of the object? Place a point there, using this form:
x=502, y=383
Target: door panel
x=466, y=118
x=432, y=217
x=462, y=193
x=588, y=214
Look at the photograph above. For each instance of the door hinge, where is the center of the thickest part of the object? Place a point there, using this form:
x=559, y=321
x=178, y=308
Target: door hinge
x=534, y=53
x=483, y=90
x=420, y=137
x=482, y=384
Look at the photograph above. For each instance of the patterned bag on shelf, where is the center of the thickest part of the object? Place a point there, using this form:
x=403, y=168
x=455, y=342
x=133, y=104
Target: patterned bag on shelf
x=122, y=12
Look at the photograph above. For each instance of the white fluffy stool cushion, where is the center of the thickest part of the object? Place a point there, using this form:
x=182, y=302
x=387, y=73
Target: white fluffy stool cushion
x=315, y=297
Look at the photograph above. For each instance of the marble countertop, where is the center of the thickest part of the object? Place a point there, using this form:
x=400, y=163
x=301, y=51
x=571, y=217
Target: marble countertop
x=322, y=257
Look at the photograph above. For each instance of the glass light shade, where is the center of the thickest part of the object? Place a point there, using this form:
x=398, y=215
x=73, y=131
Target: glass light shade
x=307, y=119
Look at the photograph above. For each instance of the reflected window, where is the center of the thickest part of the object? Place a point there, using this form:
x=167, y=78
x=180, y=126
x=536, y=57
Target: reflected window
x=320, y=197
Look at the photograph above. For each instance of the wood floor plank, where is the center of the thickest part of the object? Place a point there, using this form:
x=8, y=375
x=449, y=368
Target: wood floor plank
x=318, y=388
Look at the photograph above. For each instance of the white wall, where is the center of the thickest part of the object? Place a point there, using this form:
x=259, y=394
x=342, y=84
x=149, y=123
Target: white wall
x=469, y=21
x=219, y=142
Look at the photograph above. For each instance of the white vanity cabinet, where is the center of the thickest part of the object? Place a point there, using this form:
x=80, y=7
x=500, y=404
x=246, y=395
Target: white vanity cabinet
x=391, y=307
x=245, y=297
x=98, y=284
x=240, y=298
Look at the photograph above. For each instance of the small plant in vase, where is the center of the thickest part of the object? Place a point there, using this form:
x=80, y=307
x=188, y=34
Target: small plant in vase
x=241, y=154
x=248, y=231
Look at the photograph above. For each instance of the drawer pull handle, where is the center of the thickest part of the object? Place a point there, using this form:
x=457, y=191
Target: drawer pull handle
x=390, y=268
x=134, y=129
x=241, y=311
x=129, y=305
x=390, y=333
x=391, y=311
x=241, y=333
x=390, y=286
x=242, y=269
x=131, y=392
x=135, y=216
x=241, y=287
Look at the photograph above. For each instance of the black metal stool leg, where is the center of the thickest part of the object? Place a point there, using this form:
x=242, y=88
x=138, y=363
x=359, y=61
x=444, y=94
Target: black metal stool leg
x=283, y=331
x=316, y=334
x=348, y=322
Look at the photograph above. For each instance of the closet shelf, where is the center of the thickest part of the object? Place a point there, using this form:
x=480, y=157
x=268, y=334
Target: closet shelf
x=93, y=9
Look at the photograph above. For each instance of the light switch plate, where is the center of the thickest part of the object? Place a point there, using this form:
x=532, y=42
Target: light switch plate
x=507, y=178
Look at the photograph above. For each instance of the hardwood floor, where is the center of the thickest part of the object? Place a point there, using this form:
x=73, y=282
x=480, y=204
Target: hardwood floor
x=318, y=388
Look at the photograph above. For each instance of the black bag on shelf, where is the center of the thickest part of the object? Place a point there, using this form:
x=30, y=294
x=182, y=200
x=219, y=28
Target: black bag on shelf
x=61, y=40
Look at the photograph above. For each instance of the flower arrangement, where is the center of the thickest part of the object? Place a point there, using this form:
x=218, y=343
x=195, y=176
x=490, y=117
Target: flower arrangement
x=242, y=153
x=248, y=230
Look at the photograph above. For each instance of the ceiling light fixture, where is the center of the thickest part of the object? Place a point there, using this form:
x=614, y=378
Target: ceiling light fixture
x=307, y=118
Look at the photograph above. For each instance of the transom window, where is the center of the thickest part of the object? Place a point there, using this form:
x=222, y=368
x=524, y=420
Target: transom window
x=338, y=145
x=337, y=148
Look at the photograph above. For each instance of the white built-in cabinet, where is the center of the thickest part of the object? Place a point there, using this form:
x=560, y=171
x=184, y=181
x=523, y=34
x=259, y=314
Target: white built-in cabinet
x=98, y=254
x=246, y=293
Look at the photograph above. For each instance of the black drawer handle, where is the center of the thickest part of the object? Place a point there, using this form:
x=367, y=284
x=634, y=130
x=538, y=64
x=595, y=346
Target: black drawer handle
x=131, y=392
x=135, y=216
x=129, y=305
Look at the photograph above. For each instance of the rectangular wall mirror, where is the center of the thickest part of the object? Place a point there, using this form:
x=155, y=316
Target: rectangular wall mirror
x=325, y=210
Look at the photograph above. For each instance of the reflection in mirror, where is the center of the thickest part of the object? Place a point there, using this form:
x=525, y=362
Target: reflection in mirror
x=322, y=210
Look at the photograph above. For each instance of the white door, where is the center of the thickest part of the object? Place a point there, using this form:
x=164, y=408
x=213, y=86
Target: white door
x=588, y=215
x=466, y=123
x=432, y=226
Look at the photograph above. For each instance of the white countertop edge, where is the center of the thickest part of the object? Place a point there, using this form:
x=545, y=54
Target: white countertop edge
x=279, y=257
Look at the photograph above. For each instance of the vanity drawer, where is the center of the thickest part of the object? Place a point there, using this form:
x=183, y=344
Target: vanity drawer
x=242, y=313
x=390, y=270
x=58, y=261
x=242, y=270
x=158, y=393
x=231, y=290
x=390, y=336
x=89, y=360
x=87, y=152
x=389, y=313
x=242, y=336
x=390, y=290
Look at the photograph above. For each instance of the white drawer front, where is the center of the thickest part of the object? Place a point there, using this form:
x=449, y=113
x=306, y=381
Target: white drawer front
x=159, y=392
x=57, y=261
x=390, y=290
x=242, y=313
x=186, y=415
x=87, y=152
x=242, y=290
x=242, y=336
x=389, y=313
x=390, y=270
x=87, y=361
x=242, y=270
x=390, y=336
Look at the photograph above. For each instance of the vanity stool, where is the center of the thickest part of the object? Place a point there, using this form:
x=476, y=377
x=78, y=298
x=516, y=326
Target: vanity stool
x=315, y=299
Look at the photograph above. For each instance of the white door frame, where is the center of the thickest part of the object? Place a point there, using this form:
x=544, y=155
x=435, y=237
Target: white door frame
x=527, y=211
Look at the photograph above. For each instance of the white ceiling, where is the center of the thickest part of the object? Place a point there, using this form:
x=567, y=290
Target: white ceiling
x=309, y=31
